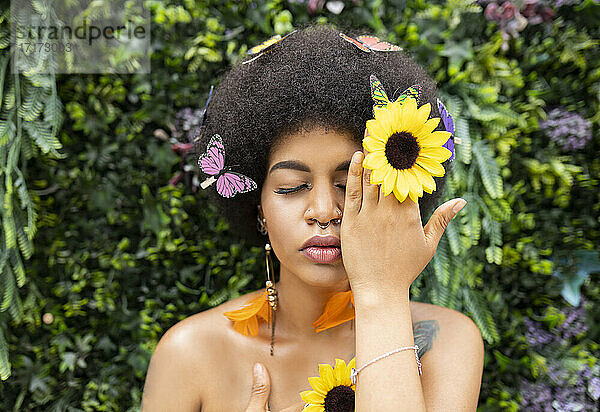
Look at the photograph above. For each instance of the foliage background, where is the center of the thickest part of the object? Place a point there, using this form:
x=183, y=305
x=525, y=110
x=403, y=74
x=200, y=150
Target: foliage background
x=106, y=246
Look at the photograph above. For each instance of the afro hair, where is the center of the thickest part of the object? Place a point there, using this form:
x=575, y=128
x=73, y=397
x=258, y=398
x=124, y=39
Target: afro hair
x=311, y=78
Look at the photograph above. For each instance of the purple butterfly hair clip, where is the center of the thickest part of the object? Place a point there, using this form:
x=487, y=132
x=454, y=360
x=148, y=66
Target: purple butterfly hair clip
x=449, y=125
x=213, y=163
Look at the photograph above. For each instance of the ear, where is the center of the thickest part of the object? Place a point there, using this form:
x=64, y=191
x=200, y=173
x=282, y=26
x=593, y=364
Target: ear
x=261, y=216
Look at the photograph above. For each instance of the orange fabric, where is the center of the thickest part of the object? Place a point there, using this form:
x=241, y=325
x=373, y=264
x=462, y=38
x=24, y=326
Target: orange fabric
x=336, y=312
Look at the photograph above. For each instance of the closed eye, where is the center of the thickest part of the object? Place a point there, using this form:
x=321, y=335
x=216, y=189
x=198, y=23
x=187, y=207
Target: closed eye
x=285, y=191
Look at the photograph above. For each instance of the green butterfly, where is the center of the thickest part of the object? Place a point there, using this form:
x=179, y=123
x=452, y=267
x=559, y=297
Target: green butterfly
x=380, y=99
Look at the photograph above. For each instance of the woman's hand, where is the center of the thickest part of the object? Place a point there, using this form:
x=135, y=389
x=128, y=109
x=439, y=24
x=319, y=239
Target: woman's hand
x=261, y=389
x=384, y=244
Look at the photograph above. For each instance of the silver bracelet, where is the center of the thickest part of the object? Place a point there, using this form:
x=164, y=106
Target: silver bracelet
x=354, y=372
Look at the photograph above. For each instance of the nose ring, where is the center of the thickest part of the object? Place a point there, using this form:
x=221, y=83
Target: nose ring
x=337, y=221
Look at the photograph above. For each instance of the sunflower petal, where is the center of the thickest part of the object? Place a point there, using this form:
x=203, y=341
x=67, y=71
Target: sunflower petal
x=312, y=397
x=318, y=385
x=388, y=120
x=414, y=184
x=340, y=372
x=326, y=374
x=441, y=154
x=375, y=160
x=413, y=196
x=351, y=364
x=395, y=113
x=425, y=178
x=373, y=145
x=389, y=181
x=409, y=110
x=432, y=166
x=376, y=130
x=426, y=128
x=378, y=175
x=436, y=139
x=401, y=187
x=422, y=114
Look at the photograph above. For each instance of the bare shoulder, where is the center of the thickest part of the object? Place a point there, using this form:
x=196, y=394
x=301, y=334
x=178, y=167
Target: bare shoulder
x=184, y=356
x=453, y=365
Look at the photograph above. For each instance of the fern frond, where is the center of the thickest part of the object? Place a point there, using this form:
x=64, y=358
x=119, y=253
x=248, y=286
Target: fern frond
x=7, y=286
x=453, y=238
x=4, y=361
x=441, y=262
x=481, y=314
x=10, y=233
x=53, y=112
x=463, y=150
x=17, y=266
x=16, y=308
x=43, y=80
x=33, y=102
x=488, y=169
x=42, y=135
x=9, y=94
x=218, y=298
x=4, y=59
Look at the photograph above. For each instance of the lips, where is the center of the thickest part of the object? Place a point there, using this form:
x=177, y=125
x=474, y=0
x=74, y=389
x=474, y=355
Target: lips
x=322, y=249
x=320, y=254
x=322, y=241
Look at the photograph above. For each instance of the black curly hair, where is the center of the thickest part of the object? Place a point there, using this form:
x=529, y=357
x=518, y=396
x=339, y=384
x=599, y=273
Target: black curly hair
x=311, y=78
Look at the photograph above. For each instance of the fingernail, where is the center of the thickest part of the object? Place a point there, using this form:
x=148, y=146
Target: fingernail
x=355, y=156
x=257, y=369
x=459, y=205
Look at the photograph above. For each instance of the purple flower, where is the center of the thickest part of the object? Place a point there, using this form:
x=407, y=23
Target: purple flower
x=568, y=384
x=594, y=388
x=568, y=129
x=188, y=123
x=536, y=396
x=574, y=323
x=536, y=335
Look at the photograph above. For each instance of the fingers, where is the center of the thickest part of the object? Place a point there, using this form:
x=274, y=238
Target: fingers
x=370, y=191
x=353, y=200
x=440, y=219
x=261, y=388
x=408, y=207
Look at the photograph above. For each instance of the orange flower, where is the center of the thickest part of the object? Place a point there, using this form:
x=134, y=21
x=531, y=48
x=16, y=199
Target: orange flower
x=336, y=311
x=245, y=319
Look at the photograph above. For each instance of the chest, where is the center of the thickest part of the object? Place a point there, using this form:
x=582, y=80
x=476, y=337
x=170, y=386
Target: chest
x=231, y=387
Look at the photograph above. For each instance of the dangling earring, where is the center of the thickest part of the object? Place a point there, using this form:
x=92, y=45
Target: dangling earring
x=272, y=297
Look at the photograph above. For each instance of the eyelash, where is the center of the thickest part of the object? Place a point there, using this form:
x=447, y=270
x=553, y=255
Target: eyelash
x=284, y=191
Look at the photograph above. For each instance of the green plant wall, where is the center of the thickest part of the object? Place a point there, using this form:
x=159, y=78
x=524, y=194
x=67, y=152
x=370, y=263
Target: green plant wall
x=108, y=242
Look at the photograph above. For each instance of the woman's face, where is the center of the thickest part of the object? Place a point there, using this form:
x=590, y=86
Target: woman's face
x=312, y=167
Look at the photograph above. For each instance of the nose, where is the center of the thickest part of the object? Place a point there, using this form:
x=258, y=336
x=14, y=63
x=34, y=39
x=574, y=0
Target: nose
x=325, y=204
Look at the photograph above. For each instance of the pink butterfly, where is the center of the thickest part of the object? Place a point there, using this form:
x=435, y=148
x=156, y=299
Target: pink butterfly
x=213, y=163
x=371, y=43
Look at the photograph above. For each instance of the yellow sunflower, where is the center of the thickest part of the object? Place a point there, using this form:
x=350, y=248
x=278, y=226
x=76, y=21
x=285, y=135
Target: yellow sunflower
x=332, y=389
x=405, y=151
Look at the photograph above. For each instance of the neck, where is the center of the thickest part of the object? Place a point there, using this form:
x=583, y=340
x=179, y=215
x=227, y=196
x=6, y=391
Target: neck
x=300, y=304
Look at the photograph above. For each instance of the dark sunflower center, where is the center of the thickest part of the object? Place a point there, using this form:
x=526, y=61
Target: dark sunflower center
x=339, y=399
x=402, y=150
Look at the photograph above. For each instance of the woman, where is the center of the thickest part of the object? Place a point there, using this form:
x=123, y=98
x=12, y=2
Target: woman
x=289, y=121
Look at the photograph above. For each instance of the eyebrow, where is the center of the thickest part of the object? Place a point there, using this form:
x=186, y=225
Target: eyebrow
x=296, y=165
